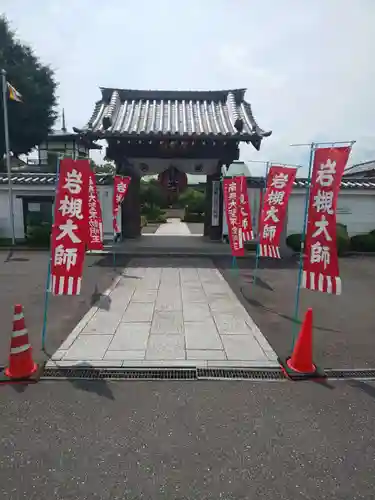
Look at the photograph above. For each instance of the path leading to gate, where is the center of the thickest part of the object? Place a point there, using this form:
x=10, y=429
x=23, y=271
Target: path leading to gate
x=167, y=312
x=173, y=227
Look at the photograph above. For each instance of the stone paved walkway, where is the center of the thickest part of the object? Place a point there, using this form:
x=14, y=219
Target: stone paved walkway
x=173, y=227
x=168, y=315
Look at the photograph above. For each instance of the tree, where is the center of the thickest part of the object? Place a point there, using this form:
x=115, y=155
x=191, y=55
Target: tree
x=193, y=199
x=151, y=194
x=32, y=120
x=105, y=168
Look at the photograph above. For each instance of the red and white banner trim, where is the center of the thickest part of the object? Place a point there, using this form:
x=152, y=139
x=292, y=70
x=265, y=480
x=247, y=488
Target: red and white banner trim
x=247, y=235
x=62, y=286
x=321, y=282
x=269, y=251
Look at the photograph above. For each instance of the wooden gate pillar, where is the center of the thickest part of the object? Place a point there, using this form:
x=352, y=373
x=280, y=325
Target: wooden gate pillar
x=130, y=208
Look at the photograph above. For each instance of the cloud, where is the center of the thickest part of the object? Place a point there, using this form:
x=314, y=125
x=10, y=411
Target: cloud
x=307, y=65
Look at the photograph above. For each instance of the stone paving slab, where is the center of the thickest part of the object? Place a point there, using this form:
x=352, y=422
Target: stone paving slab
x=166, y=314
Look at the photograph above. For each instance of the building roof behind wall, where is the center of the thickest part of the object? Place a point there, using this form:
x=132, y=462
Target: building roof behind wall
x=360, y=169
x=38, y=179
x=49, y=179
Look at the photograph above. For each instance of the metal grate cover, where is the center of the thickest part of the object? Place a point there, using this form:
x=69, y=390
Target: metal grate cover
x=191, y=374
x=120, y=374
x=351, y=374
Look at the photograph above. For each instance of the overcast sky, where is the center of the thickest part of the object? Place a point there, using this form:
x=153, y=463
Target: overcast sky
x=308, y=65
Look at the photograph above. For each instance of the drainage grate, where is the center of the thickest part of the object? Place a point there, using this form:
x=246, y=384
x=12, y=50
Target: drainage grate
x=161, y=374
x=120, y=374
x=240, y=374
x=351, y=374
x=191, y=374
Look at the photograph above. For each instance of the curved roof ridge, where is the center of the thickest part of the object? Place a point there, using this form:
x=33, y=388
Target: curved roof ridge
x=172, y=94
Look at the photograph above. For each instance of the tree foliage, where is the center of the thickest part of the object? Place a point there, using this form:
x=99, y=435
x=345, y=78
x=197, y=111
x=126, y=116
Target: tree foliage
x=31, y=120
x=105, y=168
x=151, y=194
x=193, y=200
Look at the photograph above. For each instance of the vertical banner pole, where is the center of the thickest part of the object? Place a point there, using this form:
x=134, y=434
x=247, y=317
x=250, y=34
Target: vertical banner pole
x=264, y=189
x=48, y=280
x=7, y=152
x=303, y=235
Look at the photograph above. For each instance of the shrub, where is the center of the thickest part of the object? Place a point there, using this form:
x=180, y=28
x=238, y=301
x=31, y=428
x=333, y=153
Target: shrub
x=251, y=246
x=153, y=213
x=294, y=241
x=143, y=221
x=343, y=241
x=5, y=242
x=161, y=219
x=39, y=236
x=363, y=242
x=342, y=230
x=343, y=244
x=193, y=217
x=193, y=200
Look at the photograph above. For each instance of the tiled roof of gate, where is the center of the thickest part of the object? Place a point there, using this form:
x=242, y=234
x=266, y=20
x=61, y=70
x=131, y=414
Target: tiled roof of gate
x=45, y=179
x=215, y=114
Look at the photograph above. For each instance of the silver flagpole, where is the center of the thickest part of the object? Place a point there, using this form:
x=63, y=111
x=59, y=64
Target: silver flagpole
x=7, y=152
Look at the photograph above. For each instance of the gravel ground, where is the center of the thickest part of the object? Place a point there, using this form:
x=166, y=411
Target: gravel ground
x=22, y=280
x=187, y=440
x=344, y=326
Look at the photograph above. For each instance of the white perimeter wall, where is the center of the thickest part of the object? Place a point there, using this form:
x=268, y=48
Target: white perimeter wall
x=356, y=209
x=5, y=221
x=105, y=197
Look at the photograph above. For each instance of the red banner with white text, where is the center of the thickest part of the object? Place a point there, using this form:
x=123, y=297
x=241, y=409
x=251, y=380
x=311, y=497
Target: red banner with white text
x=95, y=225
x=120, y=188
x=321, y=267
x=232, y=190
x=70, y=228
x=279, y=186
x=244, y=211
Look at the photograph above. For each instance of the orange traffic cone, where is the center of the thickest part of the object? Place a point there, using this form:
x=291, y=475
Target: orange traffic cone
x=300, y=365
x=21, y=364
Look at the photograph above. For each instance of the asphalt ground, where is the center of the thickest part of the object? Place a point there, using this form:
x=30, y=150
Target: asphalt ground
x=23, y=277
x=195, y=227
x=344, y=326
x=187, y=440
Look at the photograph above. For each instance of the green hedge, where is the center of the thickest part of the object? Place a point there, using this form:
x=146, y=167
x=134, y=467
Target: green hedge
x=39, y=236
x=294, y=241
x=343, y=241
x=363, y=242
x=5, y=242
x=193, y=217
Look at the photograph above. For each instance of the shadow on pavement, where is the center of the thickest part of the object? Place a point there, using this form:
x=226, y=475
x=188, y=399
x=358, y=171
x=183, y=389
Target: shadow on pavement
x=256, y=303
x=96, y=386
x=100, y=300
x=363, y=386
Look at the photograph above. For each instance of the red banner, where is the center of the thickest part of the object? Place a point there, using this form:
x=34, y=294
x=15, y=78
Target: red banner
x=279, y=186
x=69, y=232
x=244, y=209
x=95, y=229
x=321, y=267
x=120, y=188
x=232, y=190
